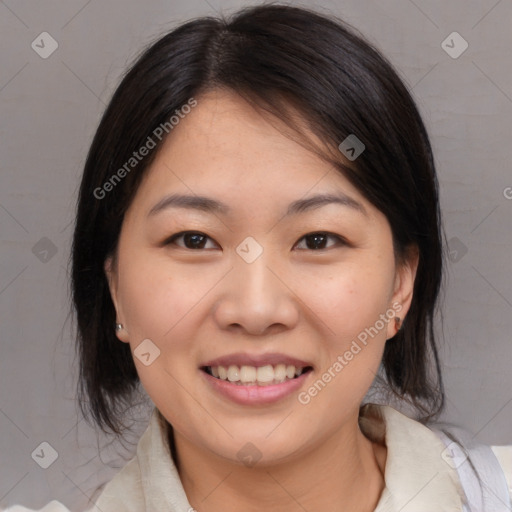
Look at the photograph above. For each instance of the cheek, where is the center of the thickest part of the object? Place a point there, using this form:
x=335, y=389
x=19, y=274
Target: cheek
x=352, y=346
x=349, y=302
x=158, y=303
x=348, y=299
x=155, y=297
x=359, y=302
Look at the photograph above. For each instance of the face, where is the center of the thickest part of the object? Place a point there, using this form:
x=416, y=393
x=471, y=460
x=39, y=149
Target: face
x=260, y=288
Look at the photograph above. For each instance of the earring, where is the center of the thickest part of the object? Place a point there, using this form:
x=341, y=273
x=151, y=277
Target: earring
x=398, y=320
x=119, y=327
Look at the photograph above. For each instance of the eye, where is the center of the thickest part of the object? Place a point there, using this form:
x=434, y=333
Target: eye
x=191, y=239
x=317, y=240
x=195, y=240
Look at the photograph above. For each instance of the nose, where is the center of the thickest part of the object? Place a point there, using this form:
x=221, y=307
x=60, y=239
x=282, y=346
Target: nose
x=257, y=299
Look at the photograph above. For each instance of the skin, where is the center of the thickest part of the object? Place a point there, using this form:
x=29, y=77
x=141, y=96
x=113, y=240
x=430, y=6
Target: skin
x=198, y=304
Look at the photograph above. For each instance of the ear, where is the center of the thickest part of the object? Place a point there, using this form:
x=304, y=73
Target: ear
x=401, y=299
x=112, y=279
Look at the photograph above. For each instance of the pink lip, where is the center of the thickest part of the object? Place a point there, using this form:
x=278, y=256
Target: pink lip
x=254, y=395
x=242, y=359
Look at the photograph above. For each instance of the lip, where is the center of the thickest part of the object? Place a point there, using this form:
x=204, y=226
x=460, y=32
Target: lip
x=244, y=359
x=254, y=395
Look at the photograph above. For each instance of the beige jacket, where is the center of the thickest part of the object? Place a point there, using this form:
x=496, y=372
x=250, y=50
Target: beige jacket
x=417, y=477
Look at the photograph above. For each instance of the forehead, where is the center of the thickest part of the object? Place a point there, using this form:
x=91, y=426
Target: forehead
x=229, y=149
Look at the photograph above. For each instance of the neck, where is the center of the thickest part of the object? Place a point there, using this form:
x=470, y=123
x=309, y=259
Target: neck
x=344, y=473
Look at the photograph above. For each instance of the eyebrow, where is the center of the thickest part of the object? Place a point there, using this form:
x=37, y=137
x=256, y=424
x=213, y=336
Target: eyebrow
x=210, y=205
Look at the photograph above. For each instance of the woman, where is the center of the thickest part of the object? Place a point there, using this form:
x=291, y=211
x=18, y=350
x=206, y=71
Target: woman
x=257, y=235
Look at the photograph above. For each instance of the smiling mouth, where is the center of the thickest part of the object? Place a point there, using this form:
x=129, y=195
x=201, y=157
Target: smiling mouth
x=267, y=375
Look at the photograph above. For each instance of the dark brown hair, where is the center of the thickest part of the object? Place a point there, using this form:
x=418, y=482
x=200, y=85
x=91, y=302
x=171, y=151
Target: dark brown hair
x=279, y=58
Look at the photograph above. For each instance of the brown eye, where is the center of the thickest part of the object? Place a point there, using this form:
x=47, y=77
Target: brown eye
x=191, y=240
x=317, y=241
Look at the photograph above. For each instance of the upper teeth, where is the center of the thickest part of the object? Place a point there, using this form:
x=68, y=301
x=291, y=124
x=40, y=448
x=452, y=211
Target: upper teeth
x=261, y=374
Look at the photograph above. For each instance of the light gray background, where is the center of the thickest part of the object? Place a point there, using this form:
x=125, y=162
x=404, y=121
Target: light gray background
x=50, y=109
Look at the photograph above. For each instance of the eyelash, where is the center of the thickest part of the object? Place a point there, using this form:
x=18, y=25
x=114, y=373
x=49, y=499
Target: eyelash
x=171, y=240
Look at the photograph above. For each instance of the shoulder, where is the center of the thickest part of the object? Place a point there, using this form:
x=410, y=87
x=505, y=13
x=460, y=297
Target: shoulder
x=504, y=456
x=485, y=471
x=124, y=493
x=466, y=470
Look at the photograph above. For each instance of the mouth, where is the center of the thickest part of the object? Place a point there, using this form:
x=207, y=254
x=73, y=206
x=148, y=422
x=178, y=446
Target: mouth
x=256, y=379
x=263, y=375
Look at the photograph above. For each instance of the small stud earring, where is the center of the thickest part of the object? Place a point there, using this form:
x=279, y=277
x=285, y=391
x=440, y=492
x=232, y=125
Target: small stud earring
x=119, y=327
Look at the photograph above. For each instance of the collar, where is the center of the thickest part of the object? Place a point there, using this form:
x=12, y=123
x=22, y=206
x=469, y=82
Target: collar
x=416, y=476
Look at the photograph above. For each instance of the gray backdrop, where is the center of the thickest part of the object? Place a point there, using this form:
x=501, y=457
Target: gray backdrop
x=50, y=106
